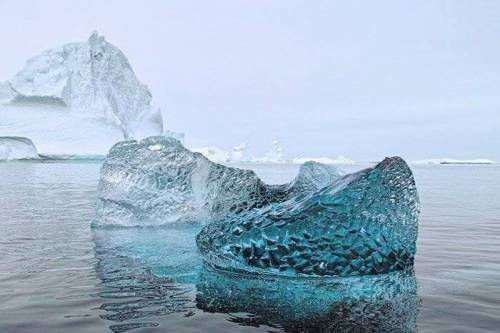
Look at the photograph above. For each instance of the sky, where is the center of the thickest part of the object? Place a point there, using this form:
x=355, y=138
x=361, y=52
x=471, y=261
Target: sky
x=363, y=79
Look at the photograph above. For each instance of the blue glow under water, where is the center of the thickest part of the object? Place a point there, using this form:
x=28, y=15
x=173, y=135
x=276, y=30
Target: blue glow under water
x=58, y=275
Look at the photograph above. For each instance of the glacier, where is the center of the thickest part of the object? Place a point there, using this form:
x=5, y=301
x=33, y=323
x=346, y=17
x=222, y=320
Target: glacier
x=17, y=148
x=362, y=223
x=158, y=181
x=79, y=98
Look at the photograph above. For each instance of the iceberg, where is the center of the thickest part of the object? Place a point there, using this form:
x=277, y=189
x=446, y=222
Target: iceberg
x=79, y=98
x=363, y=223
x=275, y=154
x=158, y=181
x=215, y=154
x=17, y=148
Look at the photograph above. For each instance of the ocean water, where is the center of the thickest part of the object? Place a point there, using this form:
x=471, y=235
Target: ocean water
x=58, y=275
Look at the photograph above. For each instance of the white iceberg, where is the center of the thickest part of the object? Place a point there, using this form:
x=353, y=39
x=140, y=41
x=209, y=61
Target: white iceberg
x=238, y=153
x=446, y=160
x=275, y=154
x=17, y=148
x=78, y=98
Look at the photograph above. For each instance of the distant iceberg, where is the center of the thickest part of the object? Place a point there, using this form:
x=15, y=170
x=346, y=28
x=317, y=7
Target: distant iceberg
x=454, y=161
x=17, y=148
x=275, y=155
x=238, y=153
x=325, y=160
x=79, y=98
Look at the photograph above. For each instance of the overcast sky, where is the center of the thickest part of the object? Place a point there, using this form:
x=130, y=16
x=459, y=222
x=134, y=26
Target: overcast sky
x=364, y=79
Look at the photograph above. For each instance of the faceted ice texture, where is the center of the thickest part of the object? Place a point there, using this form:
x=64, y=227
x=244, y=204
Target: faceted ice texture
x=158, y=181
x=363, y=223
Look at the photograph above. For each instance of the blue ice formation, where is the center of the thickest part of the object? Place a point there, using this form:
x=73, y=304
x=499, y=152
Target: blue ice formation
x=362, y=223
x=157, y=181
x=320, y=224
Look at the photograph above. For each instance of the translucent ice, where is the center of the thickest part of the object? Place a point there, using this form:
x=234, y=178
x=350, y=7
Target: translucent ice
x=363, y=223
x=158, y=181
x=15, y=148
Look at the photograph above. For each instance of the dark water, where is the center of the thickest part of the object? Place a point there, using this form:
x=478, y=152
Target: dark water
x=58, y=275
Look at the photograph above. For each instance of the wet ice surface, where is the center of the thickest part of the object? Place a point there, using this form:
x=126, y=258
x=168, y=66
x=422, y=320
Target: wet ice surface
x=56, y=274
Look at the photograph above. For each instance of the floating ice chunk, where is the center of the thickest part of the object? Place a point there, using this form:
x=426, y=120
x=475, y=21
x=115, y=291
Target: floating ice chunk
x=86, y=90
x=364, y=223
x=16, y=148
x=158, y=181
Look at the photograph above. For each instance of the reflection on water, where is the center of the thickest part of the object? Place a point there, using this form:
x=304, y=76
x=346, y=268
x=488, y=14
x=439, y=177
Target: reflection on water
x=148, y=273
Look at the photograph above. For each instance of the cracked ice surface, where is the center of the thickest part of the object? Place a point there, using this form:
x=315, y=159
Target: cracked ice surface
x=363, y=223
x=157, y=181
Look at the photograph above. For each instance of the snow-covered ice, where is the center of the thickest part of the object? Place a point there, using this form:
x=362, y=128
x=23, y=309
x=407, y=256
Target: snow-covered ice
x=274, y=155
x=79, y=98
x=17, y=148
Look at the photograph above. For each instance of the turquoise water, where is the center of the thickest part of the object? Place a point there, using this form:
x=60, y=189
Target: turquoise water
x=58, y=275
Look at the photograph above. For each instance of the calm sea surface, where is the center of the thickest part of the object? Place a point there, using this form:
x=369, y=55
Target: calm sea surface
x=58, y=275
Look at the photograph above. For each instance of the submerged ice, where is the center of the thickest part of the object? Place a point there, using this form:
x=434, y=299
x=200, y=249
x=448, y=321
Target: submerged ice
x=362, y=223
x=158, y=181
